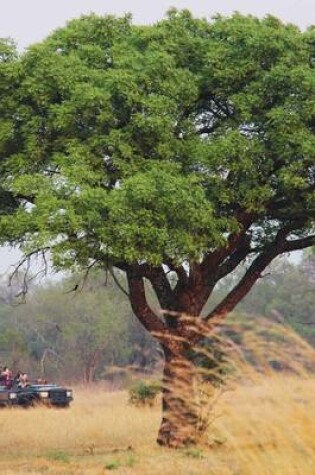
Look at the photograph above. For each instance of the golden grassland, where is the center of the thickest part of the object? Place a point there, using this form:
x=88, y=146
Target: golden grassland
x=263, y=426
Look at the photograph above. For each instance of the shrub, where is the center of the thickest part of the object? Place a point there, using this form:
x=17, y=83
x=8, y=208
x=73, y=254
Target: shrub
x=113, y=465
x=144, y=393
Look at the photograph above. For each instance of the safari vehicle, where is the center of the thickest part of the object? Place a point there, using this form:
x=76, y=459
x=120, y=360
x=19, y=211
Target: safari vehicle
x=46, y=394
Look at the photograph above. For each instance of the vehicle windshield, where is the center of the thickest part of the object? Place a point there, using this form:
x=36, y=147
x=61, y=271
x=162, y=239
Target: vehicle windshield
x=44, y=387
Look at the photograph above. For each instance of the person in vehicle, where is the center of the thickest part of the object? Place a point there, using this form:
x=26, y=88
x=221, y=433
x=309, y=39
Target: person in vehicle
x=20, y=380
x=6, y=377
x=23, y=380
x=16, y=378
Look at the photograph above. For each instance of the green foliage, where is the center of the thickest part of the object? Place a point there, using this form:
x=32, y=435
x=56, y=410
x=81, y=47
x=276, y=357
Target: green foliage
x=141, y=143
x=144, y=393
x=130, y=461
x=8, y=56
x=113, y=465
x=58, y=456
x=11, y=339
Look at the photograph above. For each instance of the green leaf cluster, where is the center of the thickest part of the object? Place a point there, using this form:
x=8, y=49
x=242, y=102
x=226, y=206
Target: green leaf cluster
x=138, y=143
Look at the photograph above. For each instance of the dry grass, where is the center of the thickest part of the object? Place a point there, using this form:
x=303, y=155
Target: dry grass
x=266, y=426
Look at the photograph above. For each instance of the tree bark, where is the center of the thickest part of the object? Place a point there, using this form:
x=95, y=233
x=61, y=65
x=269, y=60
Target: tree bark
x=179, y=426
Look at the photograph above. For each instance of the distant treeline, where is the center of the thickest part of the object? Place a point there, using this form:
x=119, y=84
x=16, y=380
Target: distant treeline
x=83, y=330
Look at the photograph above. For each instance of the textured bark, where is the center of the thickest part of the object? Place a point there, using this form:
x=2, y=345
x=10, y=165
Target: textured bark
x=179, y=426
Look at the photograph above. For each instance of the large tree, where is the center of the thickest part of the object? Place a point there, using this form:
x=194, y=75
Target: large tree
x=186, y=147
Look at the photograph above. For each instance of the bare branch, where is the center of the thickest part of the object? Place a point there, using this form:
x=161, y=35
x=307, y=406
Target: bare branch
x=26, y=277
x=86, y=274
x=112, y=273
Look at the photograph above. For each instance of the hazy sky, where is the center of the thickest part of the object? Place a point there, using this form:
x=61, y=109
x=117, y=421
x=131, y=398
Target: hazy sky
x=29, y=21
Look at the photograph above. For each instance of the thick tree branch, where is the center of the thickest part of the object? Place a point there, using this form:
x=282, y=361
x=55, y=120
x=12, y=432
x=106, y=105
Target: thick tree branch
x=140, y=306
x=297, y=244
x=181, y=275
x=191, y=293
x=162, y=287
x=253, y=273
x=211, y=262
x=179, y=270
x=244, y=286
x=158, y=279
x=235, y=259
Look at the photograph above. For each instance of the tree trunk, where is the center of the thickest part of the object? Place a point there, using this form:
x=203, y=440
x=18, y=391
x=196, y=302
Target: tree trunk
x=89, y=374
x=179, y=425
x=91, y=365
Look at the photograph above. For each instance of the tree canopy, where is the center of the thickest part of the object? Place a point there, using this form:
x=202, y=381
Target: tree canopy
x=156, y=143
